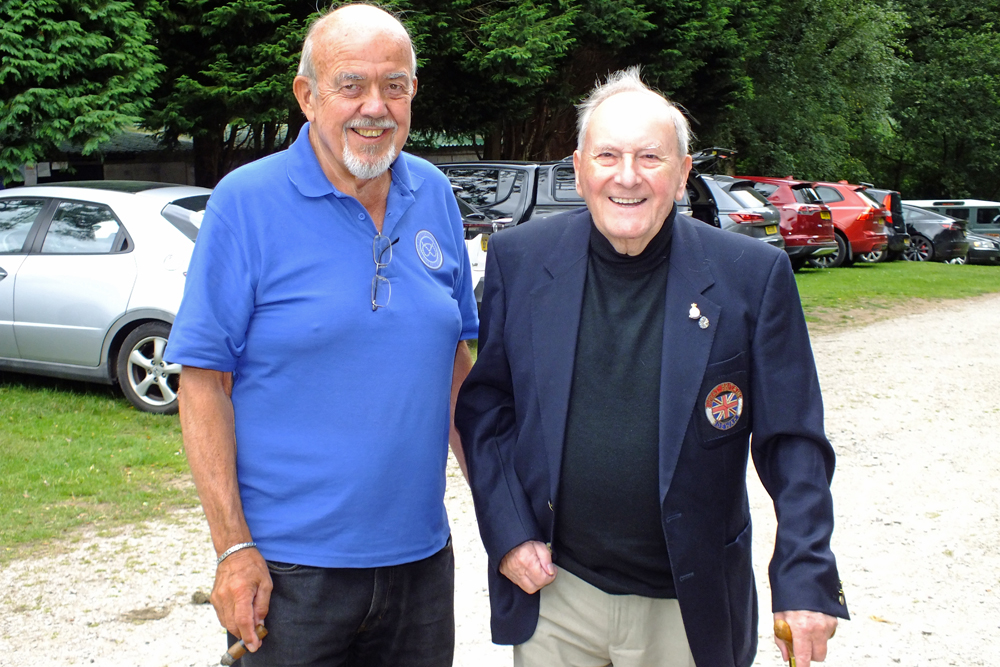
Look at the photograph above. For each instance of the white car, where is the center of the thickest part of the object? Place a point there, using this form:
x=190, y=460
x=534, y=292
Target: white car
x=91, y=276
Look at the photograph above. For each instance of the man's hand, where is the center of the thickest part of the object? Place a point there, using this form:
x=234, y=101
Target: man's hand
x=529, y=565
x=242, y=595
x=810, y=632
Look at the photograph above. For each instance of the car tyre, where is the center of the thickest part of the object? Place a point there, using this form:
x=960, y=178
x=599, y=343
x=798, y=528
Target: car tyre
x=920, y=249
x=148, y=382
x=833, y=260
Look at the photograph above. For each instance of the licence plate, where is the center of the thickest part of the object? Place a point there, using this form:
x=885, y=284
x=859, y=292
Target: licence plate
x=483, y=240
x=771, y=229
x=824, y=215
x=906, y=242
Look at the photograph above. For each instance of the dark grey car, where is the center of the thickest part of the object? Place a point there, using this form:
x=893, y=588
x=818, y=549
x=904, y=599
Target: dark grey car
x=744, y=210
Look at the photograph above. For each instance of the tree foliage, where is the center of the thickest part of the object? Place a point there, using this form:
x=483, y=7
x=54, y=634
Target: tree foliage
x=227, y=84
x=945, y=126
x=71, y=71
x=903, y=93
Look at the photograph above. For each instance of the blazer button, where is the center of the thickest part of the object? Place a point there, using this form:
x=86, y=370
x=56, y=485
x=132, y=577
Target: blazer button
x=551, y=507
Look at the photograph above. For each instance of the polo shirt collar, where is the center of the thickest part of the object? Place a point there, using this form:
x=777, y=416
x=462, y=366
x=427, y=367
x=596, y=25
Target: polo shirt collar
x=306, y=174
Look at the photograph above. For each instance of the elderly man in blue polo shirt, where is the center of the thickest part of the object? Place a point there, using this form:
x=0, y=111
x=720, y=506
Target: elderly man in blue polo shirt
x=322, y=337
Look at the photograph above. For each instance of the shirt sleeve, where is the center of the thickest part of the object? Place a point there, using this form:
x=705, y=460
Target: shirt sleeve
x=211, y=324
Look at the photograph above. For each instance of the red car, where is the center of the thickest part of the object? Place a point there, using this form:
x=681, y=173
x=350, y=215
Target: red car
x=859, y=218
x=805, y=222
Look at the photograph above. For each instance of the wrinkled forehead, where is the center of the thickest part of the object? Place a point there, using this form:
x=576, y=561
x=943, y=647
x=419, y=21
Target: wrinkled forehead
x=631, y=121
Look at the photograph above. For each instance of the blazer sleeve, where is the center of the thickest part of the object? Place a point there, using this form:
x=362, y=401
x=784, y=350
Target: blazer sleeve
x=791, y=453
x=486, y=419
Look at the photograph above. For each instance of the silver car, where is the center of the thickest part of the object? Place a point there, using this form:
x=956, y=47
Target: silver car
x=744, y=210
x=91, y=275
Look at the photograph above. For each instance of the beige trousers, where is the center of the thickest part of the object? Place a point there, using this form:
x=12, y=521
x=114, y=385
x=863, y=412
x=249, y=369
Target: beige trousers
x=582, y=626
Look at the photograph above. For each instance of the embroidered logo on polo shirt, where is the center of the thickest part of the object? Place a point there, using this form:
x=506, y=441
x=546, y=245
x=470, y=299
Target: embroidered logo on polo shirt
x=724, y=406
x=428, y=250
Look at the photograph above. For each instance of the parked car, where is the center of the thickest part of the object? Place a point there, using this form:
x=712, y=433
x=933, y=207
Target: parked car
x=523, y=191
x=859, y=222
x=806, y=224
x=475, y=222
x=933, y=236
x=744, y=210
x=982, y=250
x=512, y=193
x=982, y=217
x=91, y=275
x=895, y=227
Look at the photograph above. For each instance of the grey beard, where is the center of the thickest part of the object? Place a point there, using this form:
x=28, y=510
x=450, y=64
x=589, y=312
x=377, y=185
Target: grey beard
x=367, y=170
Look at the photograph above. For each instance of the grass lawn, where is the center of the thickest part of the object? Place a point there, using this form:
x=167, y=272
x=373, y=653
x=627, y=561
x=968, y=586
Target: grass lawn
x=861, y=293
x=74, y=454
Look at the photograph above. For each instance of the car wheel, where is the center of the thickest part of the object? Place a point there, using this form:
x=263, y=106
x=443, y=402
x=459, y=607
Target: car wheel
x=148, y=382
x=835, y=259
x=956, y=260
x=873, y=257
x=920, y=249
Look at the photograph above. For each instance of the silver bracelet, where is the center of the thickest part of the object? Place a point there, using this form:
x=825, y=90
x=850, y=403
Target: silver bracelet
x=233, y=549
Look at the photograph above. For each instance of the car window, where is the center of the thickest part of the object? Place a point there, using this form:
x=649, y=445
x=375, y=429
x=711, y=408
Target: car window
x=748, y=197
x=81, y=228
x=766, y=189
x=828, y=194
x=186, y=214
x=868, y=199
x=494, y=191
x=565, y=184
x=987, y=216
x=806, y=195
x=961, y=213
x=16, y=218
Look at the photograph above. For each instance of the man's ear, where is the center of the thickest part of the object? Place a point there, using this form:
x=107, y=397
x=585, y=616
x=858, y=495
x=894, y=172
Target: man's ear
x=576, y=171
x=414, y=93
x=302, y=87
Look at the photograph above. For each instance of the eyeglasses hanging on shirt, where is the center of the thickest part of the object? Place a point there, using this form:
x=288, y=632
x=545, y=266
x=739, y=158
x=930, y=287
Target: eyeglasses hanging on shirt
x=382, y=254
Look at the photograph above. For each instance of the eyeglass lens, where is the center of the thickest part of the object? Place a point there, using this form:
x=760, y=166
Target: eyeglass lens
x=382, y=255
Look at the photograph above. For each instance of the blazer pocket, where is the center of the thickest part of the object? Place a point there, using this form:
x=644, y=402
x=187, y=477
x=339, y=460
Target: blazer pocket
x=722, y=411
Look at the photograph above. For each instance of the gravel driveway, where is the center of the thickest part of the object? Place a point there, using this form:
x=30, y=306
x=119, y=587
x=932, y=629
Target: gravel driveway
x=917, y=432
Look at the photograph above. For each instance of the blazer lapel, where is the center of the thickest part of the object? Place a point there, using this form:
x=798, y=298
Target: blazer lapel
x=686, y=345
x=555, y=323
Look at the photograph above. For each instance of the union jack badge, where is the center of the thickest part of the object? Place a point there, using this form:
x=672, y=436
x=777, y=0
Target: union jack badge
x=724, y=406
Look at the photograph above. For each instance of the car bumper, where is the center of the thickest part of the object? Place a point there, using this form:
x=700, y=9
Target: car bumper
x=815, y=249
x=983, y=256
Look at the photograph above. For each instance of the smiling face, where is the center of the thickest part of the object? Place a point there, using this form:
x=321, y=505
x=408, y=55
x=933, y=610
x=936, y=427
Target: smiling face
x=359, y=105
x=629, y=170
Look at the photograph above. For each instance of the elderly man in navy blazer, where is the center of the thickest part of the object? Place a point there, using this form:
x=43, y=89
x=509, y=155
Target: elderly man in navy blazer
x=629, y=360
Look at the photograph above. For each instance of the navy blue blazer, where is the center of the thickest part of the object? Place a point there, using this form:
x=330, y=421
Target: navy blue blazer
x=751, y=360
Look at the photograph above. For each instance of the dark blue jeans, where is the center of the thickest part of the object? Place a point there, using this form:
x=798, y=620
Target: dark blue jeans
x=399, y=616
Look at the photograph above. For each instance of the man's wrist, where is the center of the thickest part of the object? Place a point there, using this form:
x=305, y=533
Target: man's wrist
x=233, y=549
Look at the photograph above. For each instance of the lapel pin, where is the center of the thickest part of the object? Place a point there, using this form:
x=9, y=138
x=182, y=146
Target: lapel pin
x=694, y=313
x=703, y=322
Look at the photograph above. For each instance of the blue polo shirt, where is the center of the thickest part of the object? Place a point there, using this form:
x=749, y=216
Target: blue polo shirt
x=342, y=413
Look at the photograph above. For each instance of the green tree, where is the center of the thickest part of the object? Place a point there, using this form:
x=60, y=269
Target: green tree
x=944, y=131
x=228, y=79
x=822, y=80
x=71, y=71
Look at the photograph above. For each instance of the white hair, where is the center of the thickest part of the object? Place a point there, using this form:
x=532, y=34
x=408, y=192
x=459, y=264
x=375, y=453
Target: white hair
x=629, y=81
x=307, y=67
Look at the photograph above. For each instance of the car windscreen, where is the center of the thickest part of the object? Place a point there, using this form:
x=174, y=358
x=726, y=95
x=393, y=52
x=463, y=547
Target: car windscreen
x=186, y=214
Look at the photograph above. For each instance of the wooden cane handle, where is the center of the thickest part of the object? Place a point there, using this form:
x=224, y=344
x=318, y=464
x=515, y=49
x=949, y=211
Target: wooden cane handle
x=784, y=633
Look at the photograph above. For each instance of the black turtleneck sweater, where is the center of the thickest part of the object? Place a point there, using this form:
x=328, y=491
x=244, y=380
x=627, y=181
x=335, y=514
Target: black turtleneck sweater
x=608, y=527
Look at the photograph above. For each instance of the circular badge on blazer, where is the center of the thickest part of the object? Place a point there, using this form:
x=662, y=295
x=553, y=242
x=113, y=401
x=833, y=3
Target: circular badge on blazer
x=724, y=406
x=428, y=250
